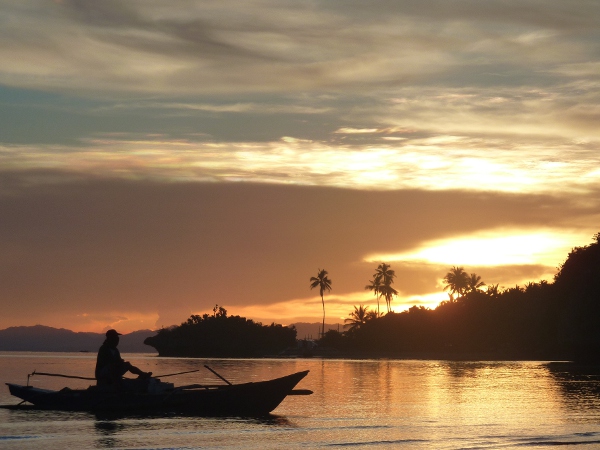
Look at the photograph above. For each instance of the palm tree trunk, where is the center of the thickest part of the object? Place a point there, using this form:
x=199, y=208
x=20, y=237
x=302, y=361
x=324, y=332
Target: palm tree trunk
x=323, y=329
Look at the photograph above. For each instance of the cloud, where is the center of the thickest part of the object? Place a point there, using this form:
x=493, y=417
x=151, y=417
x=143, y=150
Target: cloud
x=230, y=47
x=254, y=108
x=503, y=77
x=433, y=163
x=152, y=249
x=496, y=248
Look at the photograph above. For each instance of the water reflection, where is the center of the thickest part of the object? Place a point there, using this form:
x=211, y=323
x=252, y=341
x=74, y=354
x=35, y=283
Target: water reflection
x=26, y=412
x=474, y=369
x=123, y=431
x=107, y=431
x=429, y=404
x=272, y=420
x=141, y=416
x=579, y=385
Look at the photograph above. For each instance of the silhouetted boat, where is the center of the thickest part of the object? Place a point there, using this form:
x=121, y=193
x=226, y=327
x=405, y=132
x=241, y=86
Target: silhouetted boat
x=246, y=399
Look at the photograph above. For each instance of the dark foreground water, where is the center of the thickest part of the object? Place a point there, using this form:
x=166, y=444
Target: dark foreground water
x=356, y=404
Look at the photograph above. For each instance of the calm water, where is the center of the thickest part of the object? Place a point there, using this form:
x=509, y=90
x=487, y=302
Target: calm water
x=357, y=404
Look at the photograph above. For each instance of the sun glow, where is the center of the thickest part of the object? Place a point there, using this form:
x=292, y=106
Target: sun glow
x=338, y=307
x=95, y=322
x=427, y=300
x=494, y=249
x=438, y=163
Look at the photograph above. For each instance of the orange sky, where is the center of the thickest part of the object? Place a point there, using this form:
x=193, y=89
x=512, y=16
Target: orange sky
x=90, y=254
x=157, y=158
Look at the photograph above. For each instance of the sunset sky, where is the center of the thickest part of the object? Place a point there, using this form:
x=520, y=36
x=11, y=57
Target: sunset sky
x=158, y=157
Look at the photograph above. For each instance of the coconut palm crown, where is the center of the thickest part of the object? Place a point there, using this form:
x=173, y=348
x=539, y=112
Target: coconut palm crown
x=474, y=283
x=457, y=281
x=358, y=317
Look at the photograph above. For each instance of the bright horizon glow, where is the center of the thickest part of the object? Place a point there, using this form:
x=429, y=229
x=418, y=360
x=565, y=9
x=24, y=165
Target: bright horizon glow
x=443, y=162
x=492, y=248
x=430, y=301
x=337, y=308
x=498, y=248
x=122, y=321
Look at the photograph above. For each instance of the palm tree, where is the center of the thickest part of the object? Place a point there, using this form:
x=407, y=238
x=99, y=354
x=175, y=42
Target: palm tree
x=375, y=286
x=384, y=275
x=324, y=284
x=358, y=317
x=493, y=291
x=372, y=315
x=474, y=283
x=388, y=291
x=384, y=272
x=457, y=281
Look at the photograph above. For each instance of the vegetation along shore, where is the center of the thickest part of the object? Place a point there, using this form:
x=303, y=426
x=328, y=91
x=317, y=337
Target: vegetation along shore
x=558, y=320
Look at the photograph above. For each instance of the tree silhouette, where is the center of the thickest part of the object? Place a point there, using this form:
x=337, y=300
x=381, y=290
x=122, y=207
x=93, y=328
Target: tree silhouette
x=372, y=315
x=474, y=283
x=375, y=286
x=555, y=321
x=219, y=311
x=388, y=292
x=324, y=284
x=221, y=335
x=358, y=317
x=493, y=291
x=457, y=281
x=384, y=276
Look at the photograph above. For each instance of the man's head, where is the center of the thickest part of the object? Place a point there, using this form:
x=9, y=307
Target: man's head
x=112, y=337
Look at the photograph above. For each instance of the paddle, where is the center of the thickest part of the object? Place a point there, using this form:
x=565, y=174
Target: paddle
x=218, y=375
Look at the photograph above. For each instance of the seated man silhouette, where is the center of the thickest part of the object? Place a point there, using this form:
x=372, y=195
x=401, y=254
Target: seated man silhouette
x=110, y=367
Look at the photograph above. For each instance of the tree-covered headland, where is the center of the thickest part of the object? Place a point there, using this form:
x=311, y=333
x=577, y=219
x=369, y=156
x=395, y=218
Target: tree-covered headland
x=543, y=320
x=557, y=320
x=220, y=335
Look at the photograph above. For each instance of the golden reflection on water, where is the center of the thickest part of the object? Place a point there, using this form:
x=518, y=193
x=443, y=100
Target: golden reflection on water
x=507, y=394
x=428, y=404
x=451, y=400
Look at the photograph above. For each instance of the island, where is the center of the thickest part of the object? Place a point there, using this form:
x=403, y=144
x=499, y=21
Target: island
x=220, y=335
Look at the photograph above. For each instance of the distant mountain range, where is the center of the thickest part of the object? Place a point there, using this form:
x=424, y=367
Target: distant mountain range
x=40, y=338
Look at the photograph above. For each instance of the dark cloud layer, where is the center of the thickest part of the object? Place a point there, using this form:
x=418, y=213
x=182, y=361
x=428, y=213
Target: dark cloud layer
x=98, y=245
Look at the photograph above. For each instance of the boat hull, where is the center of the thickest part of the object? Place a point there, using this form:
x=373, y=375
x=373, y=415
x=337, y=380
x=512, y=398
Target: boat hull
x=247, y=399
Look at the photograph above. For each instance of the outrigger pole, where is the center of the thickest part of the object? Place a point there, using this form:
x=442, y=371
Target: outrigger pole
x=57, y=375
x=178, y=373
x=93, y=379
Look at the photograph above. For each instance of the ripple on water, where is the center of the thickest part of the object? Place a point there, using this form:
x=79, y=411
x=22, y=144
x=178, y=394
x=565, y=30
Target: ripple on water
x=357, y=404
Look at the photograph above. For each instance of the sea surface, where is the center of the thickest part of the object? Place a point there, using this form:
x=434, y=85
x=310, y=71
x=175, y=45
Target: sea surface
x=356, y=404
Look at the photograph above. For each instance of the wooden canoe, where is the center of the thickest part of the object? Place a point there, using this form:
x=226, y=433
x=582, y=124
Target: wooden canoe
x=246, y=399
